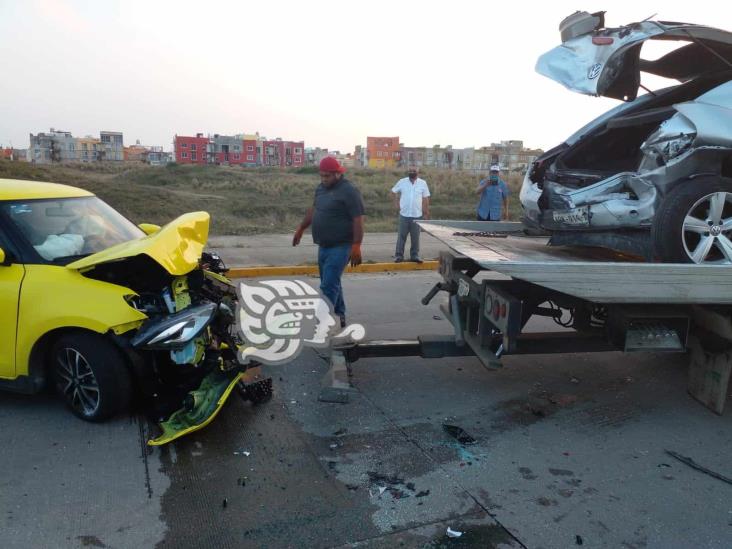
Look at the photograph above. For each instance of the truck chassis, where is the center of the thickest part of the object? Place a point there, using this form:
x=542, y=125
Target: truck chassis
x=496, y=280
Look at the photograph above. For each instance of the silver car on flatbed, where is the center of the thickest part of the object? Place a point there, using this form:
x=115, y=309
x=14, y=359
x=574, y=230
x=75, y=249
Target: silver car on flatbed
x=653, y=176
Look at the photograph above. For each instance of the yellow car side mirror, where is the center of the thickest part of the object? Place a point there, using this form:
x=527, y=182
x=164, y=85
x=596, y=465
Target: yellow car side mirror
x=149, y=228
x=2, y=256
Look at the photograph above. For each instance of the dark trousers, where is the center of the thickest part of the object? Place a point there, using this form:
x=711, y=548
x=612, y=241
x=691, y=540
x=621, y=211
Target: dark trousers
x=331, y=262
x=408, y=226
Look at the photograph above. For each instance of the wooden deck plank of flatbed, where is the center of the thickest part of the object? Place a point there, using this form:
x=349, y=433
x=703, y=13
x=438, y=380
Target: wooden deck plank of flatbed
x=589, y=273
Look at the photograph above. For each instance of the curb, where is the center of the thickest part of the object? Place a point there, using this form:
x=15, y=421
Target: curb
x=293, y=270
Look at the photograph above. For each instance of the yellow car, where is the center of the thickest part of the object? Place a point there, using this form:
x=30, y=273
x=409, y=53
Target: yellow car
x=105, y=309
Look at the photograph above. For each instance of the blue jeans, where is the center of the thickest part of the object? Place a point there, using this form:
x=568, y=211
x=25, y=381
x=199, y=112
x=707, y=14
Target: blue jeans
x=331, y=263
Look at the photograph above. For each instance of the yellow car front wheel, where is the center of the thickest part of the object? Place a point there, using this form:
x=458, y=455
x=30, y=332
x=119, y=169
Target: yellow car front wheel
x=90, y=375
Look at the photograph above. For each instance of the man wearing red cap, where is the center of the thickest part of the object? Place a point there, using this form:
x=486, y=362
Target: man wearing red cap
x=337, y=220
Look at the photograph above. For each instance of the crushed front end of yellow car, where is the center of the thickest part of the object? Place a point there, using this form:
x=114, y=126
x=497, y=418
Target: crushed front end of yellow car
x=184, y=355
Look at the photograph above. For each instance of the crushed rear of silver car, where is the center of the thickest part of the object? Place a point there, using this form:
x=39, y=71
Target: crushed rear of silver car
x=653, y=176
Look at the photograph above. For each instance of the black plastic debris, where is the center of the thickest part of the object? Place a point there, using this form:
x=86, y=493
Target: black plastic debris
x=224, y=503
x=385, y=479
x=578, y=539
x=458, y=433
x=422, y=494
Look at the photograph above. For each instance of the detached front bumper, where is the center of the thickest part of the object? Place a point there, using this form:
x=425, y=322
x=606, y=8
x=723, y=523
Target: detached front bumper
x=203, y=404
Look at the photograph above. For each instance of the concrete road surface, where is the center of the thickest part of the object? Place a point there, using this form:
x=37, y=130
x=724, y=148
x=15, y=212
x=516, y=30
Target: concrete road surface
x=570, y=451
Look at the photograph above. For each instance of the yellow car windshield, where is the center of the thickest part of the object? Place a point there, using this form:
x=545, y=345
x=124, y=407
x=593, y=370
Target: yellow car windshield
x=62, y=230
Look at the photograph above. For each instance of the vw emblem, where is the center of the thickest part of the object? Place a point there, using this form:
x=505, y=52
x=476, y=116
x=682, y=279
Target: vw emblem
x=594, y=71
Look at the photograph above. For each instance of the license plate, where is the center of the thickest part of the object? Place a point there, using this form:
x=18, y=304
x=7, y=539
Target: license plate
x=577, y=216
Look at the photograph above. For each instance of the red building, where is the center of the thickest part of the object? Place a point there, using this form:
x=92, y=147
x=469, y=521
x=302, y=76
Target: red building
x=283, y=153
x=191, y=150
x=252, y=152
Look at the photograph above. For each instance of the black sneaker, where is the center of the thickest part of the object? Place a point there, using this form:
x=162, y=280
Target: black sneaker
x=343, y=321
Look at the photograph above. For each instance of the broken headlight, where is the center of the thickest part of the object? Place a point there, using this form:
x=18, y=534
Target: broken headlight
x=176, y=330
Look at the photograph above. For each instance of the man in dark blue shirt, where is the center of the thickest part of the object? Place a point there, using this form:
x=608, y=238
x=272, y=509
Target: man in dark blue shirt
x=337, y=220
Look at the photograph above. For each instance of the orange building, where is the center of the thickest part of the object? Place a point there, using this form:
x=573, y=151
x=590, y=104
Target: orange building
x=382, y=152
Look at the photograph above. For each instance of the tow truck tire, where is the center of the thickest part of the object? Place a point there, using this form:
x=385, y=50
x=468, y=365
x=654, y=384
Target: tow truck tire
x=91, y=376
x=672, y=236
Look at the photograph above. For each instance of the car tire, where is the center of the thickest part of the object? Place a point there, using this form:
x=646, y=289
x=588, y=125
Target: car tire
x=694, y=222
x=91, y=376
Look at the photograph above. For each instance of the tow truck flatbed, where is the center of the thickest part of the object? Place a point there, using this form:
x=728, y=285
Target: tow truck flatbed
x=593, y=274
x=601, y=300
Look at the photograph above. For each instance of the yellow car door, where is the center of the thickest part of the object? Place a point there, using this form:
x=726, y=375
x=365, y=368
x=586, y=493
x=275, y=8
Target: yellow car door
x=11, y=276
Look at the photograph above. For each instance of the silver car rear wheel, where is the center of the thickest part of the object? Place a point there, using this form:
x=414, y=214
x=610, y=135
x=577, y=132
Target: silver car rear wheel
x=707, y=229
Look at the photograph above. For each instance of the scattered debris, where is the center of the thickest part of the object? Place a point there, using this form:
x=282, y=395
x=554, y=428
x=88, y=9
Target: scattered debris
x=486, y=234
x=574, y=380
x=340, y=432
x=578, y=539
x=379, y=490
x=437, y=317
x=334, y=446
x=458, y=433
x=352, y=487
x=422, y=494
x=453, y=533
x=691, y=463
x=242, y=453
x=410, y=486
x=387, y=479
x=241, y=481
x=225, y=503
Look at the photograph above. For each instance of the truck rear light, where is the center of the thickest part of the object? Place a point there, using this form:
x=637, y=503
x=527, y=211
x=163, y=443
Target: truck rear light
x=602, y=40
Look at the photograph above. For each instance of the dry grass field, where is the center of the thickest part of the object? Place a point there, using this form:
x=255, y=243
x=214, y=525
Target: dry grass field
x=249, y=200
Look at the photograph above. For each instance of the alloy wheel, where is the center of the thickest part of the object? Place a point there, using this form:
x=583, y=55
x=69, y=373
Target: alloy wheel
x=77, y=381
x=707, y=229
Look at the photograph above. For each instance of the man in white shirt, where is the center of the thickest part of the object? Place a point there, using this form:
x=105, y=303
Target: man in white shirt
x=412, y=201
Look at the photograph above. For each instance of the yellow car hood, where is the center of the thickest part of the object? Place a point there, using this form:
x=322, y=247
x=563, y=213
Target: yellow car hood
x=177, y=246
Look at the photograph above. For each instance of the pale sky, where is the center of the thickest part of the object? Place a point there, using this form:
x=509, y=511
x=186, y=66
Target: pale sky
x=330, y=73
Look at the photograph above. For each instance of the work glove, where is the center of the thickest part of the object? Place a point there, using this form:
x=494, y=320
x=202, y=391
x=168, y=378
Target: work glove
x=297, y=236
x=355, y=255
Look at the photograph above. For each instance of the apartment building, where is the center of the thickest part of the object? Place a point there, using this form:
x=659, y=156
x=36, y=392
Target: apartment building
x=193, y=150
x=383, y=152
x=61, y=146
x=89, y=149
x=9, y=153
x=252, y=147
x=228, y=149
x=112, y=146
x=52, y=146
x=283, y=153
